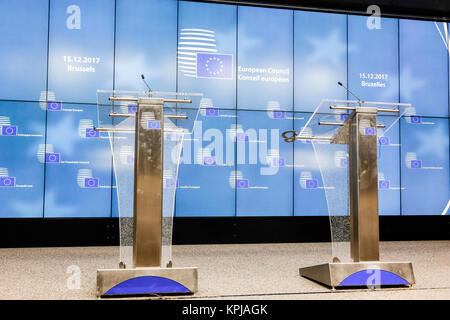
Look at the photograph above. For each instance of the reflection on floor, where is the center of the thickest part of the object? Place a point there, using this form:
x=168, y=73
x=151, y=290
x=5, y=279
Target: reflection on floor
x=246, y=271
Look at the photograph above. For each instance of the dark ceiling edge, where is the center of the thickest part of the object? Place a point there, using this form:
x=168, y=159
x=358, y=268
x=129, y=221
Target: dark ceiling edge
x=388, y=14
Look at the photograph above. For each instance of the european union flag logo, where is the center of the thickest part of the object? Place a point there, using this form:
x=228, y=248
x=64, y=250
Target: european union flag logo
x=344, y=163
x=54, y=105
x=383, y=184
x=7, y=182
x=52, y=158
x=311, y=184
x=344, y=117
x=279, y=114
x=91, y=133
x=214, y=65
x=9, y=130
x=209, y=161
x=370, y=131
x=279, y=162
x=383, y=141
x=132, y=109
x=172, y=183
x=212, y=112
x=130, y=159
x=242, y=137
x=154, y=125
x=91, y=183
x=415, y=119
x=416, y=164
x=242, y=183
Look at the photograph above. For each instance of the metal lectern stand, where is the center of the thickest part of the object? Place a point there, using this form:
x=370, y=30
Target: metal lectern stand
x=147, y=275
x=359, y=131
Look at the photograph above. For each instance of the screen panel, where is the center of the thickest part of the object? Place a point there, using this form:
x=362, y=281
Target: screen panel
x=320, y=58
x=423, y=68
x=389, y=185
x=22, y=132
x=208, y=159
x=264, y=65
x=264, y=172
x=207, y=52
x=23, y=57
x=78, y=164
x=81, y=49
x=425, y=165
x=373, y=59
x=146, y=41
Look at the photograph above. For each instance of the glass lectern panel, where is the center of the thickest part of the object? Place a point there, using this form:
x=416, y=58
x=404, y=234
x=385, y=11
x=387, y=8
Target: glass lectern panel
x=117, y=112
x=328, y=130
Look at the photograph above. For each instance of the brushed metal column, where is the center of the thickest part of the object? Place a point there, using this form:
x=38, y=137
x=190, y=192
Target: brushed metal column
x=148, y=183
x=363, y=175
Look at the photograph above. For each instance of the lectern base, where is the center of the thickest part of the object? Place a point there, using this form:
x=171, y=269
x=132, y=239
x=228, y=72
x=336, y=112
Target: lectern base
x=361, y=274
x=146, y=281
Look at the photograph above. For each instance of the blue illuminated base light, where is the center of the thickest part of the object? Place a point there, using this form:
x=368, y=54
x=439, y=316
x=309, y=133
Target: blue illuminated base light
x=366, y=278
x=148, y=285
x=361, y=274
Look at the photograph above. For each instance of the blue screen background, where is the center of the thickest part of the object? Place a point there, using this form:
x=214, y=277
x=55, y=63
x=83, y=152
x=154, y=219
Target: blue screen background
x=275, y=60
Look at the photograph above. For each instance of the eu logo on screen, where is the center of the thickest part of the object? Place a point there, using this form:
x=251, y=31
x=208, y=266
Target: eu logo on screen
x=7, y=182
x=209, y=161
x=383, y=184
x=383, y=141
x=132, y=109
x=242, y=137
x=212, y=112
x=416, y=164
x=370, y=131
x=415, y=119
x=54, y=105
x=242, y=183
x=91, y=133
x=279, y=162
x=311, y=184
x=172, y=183
x=214, y=65
x=91, y=183
x=279, y=114
x=344, y=117
x=153, y=124
x=52, y=157
x=344, y=163
x=9, y=130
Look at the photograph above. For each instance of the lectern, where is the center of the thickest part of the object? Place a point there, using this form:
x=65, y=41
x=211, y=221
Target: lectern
x=345, y=136
x=146, y=132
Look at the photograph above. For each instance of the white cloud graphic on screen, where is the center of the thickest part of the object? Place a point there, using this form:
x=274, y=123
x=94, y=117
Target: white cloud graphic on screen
x=190, y=42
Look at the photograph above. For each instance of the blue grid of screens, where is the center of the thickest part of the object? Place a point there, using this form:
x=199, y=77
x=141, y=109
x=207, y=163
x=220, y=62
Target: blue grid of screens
x=262, y=71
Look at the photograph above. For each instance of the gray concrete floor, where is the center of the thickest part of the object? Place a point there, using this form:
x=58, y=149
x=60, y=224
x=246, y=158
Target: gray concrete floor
x=246, y=271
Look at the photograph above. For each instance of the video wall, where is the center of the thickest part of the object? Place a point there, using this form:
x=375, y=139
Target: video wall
x=262, y=71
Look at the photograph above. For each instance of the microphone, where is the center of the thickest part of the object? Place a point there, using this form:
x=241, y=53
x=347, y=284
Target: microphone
x=340, y=83
x=143, y=79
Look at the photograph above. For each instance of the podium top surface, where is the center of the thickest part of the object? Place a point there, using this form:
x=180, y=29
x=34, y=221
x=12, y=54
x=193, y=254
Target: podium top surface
x=330, y=115
x=117, y=108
